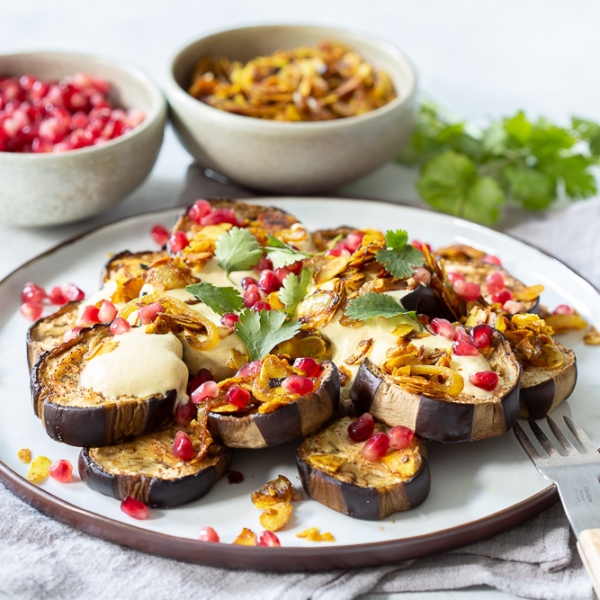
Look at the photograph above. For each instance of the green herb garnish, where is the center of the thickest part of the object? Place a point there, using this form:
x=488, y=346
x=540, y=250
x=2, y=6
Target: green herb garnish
x=220, y=299
x=238, y=250
x=373, y=305
x=294, y=289
x=281, y=254
x=400, y=257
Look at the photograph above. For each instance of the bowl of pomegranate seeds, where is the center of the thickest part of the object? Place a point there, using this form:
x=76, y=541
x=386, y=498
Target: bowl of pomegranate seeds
x=291, y=109
x=77, y=134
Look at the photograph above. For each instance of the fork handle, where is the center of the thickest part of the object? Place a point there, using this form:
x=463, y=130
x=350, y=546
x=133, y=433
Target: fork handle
x=589, y=550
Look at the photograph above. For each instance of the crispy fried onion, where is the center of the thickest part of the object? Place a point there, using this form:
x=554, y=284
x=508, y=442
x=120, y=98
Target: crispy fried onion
x=528, y=294
x=564, y=323
x=443, y=287
x=460, y=253
x=169, y=274
x=360, y=352
x=592, y=337
x=200, y=434
x=200, y=333
x=318, y=308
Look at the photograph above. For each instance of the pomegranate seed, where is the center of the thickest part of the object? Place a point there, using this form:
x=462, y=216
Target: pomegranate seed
x=237, y=396
x=149, y=312
x=208, y=389
x=353, y=241
x=229, y=320
x=502, y=296
x=264, y=263
x=268, y=538
x=462, y=348
x=309, y=366
x=33, y=293
x=183, y=447
x=134, y=508
x=563, y=309
x=119, y=326
x=362, y=428
x=281, y=274
x=208, y=534
x=461, y=334
x=261, y=305
x=421, y=274
x=486, y=380
x=492, y=260
x=31, y=311
x=160, y=234
x=442, y=327
x=419, y=245
x=89, y=316
x=71, y=333
x=249, y=281
x=513, y=307
x=467, y=289
x=220, y=215
x=202, y=376
x=61, y=470
x=250, y=369
x=72, y=293
x=268, y=281
x=177, y=242
x=338, y=251
x=481, y=336
x=495, y=282
x=199, y=210
x=295, y=268
x=56, y=296
x=376, y=446
x=184, y=413
x=296, y=384
x=400, y=437
x=107, y=312
x=251, y=296
x=453, y=277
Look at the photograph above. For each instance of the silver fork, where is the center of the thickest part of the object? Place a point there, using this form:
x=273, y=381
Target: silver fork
x=577, y=477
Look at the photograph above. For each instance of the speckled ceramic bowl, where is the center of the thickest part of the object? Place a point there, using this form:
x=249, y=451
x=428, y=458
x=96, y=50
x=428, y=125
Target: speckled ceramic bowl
x=54, y=188
x=284, y=157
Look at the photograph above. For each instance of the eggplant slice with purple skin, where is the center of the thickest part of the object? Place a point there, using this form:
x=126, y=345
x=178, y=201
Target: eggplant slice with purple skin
x=82, y=417
x=146, y=469
x=335, y=473
x=289, y=422
x=464, y=419
x=131, y=264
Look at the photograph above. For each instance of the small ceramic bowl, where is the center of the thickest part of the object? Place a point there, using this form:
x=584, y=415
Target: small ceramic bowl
x=283, y=157
x=54, y=188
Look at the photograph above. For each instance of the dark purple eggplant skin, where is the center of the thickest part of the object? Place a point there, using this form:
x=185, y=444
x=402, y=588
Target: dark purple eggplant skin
x=424, y=301
x=155, y=492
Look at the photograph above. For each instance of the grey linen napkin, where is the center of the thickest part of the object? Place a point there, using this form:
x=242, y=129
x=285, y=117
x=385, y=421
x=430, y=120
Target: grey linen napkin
x=43, y=559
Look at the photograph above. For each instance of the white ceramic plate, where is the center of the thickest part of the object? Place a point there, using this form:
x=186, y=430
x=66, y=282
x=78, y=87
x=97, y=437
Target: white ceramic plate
x=477, y=488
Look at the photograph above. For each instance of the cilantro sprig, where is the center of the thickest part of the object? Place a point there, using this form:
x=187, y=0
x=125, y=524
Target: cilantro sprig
x=473, y=172
x=282, y=255
x=220, y=299
x=294, y=289
x=262, y=331
x=400, y=257
x=373, y=305
x=237, y=250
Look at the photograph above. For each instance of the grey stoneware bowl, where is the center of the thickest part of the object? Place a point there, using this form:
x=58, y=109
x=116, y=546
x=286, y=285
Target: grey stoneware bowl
x=282, y=157
x=55, y=188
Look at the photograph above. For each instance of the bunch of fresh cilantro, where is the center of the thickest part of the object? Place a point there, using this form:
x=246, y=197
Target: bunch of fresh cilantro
x=473, y=173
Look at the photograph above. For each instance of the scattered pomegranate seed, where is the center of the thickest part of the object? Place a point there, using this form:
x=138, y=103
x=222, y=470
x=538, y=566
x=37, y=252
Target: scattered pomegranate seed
x=61, y=470
x=72, y=293
x=199, y=210
x=400, y=436
x=376, y=446
x=295, y=268
x=563, y=309
x=268, y=281
x=89, y=316
x=264, y=263
x=453, y=276
x=202, y=376
x=281, y=274
x=149, y=312
x=251, y=296
x=419, y=245
x=208, y=534
x=338, y=252
x=31, y=311
x=512, y=307
x=296, y=384
x=71, y=333
x=249, y=369
x=268, y=538
x=493, y=260
x=183, y=447
x=119, y=326
x=462, y=348
x=502, y=296
x=249, y=281
x=362, y=428
x=229, y=320
x=208, y=389
x=184, y=413
x=107, y=312
x=421, y=274
x=237, y=396
x=134, y=508
x=442, y=327
x=486, y=380
x=353, y=241
x=495, y=282
x=262, y=305
x=177, y=242
x=461, y=334
x=56, y=296
x=33, y=293
x=467, y=289
x=220, y=215
x=481, y=336
x=309, y=366
x=160, y=234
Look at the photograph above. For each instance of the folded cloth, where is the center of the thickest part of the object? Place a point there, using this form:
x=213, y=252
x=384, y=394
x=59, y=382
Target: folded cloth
x=43, y=559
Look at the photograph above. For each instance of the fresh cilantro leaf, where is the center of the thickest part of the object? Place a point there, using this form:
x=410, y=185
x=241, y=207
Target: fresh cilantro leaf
x=399, y=258
x=294, y=289
x=588, y=131
x=373, y=305
x=220, y=299
x=238, y=250
x=494, y=139
x=532, y=189
x=519, y=128
x=281, y=254
x=262, y=331
x=574, y=172
x=396, y=240
x=484, y=200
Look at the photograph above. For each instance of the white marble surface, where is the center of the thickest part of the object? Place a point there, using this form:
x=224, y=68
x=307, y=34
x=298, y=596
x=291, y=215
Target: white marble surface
x=479, y=59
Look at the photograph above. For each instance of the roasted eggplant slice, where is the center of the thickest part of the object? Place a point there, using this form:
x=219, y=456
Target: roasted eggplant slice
x=146, y=469
x=130, y=265
x=335, y=473
x=463, y=418
x=81, y=416
x=291, y=421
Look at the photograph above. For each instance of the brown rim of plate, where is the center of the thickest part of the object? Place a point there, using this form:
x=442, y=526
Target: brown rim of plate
x=315, y=558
